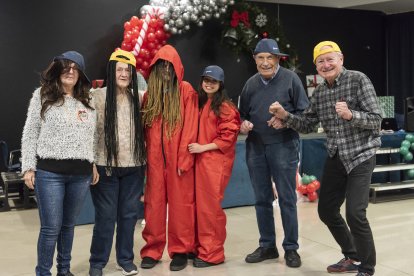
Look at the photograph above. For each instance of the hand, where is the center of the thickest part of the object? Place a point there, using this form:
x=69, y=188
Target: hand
x=277, y=110
x=196, y=148
x=29, y=179
x=95, y=175
x=275, y=123
x=343, y=111
x=245, y=127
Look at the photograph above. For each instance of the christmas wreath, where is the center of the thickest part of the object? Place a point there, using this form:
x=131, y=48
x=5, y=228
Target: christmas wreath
x=246, y=23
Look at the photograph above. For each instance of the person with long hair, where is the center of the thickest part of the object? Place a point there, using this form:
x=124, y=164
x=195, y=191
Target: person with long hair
x=58, y=155
x=120, y=159
x=215, y=151
x=170, y=119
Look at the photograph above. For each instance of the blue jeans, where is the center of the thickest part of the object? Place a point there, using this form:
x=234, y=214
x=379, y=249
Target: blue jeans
x=116, y=200
x=59, y=198
x=337, y=185
x=278, y=162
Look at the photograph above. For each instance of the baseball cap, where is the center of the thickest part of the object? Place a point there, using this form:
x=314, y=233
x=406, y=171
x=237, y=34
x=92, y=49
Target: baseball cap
x=267, y=45
x=330, y=47
x=215, y=72
x=123, y=56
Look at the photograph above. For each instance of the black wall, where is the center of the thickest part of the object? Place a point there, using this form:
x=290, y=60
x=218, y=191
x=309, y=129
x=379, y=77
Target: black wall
x=32, y=32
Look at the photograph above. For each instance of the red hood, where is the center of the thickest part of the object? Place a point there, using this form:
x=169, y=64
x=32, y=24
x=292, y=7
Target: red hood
x=168, y=53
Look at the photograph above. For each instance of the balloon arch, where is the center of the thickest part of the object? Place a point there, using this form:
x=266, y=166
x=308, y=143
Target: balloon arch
x=145, y=35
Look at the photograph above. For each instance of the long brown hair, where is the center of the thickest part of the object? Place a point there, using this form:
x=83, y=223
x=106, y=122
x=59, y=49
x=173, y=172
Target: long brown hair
x=163, y=98
x=51, y=90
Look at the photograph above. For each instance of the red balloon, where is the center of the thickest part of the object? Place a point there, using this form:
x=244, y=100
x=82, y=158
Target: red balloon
x=302, y=189
x=310, y=188
x=145, y=65
x=144, y=53
x=161, y=23
x=134, y=41
x=151, y=37
x=135, y=32
x=139, y=60
x=313, y=196
x=127, y=38
x=153, y=23
x=159, y=45
x=154, y=52
x=151, y=45
x=317, y=184
x=164, y=42
x=159, y=34
x=126, y=46
x=127, y=25
x=150, y=30
x=134, y=20
x=140, y=23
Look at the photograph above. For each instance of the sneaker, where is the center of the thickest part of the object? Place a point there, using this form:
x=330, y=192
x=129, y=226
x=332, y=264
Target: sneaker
x=261, y=254
x=200, y=263
x=191, y=256
x=363, y=274
x=179, y=262
x=128, y=269
x=65, y=274
x=93, y=271
x=292, y=258
x=346, y=265
x=148, y=262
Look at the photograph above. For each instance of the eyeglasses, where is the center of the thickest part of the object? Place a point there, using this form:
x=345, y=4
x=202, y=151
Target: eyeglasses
x=210, y=80
x=68, y=68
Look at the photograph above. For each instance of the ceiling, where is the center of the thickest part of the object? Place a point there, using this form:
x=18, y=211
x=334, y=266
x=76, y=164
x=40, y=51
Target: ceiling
x=386, y=6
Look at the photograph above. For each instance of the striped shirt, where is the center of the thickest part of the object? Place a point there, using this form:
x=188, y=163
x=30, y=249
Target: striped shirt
x=356, y=140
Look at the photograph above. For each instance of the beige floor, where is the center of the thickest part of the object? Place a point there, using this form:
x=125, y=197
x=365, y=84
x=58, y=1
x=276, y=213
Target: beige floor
x=392, y=224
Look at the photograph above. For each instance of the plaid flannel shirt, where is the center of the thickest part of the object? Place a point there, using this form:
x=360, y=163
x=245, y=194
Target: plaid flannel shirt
x=356, y=140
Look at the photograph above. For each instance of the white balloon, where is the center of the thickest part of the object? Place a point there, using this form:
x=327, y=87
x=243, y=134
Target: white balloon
x=173, y=30
x=186, y=27
x=186, y=16
x=166, y=27
x=200, y=23
x=179, y=23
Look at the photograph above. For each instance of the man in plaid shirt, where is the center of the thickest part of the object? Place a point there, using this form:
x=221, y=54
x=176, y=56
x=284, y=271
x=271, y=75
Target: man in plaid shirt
x=347, y=107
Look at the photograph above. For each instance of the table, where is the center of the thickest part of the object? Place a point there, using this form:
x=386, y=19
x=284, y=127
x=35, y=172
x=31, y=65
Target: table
x=15, y=178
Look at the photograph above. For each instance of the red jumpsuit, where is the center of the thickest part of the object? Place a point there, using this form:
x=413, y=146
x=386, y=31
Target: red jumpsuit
x=165, y=157
x=213, y=171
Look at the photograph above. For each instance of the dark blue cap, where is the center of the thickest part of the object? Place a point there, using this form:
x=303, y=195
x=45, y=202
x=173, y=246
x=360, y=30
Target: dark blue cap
x=215, y=72
x=267, y=45
x=76, y=58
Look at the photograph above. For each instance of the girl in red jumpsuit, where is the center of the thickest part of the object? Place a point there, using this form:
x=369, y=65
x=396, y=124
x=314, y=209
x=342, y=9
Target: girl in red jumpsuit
x=170, y=119
x=219, y=126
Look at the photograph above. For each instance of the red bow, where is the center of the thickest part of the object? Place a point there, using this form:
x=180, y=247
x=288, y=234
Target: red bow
x=237, y=17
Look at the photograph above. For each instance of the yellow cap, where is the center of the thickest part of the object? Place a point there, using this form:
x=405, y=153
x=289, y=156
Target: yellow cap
x=123, y=56
x=332, y=47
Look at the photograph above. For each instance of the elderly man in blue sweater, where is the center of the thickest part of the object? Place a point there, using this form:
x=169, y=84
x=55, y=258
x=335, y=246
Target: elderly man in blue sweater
x=272, y=153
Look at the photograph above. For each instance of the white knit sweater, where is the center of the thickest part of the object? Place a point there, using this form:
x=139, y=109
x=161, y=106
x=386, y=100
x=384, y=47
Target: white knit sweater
x=66, y=132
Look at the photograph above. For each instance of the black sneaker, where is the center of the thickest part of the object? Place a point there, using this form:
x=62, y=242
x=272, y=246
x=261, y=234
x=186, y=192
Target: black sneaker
x=346, y=265
x=65, y=274
x=191, y=255
x=128, y=269
x=292, y=258
x=261, y=254
x=179, y=262
x=148, y=262
x=200, y=263
x=93, y=271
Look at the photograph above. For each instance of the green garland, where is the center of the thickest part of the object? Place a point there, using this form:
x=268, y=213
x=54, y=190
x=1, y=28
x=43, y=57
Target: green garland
x=246, y=23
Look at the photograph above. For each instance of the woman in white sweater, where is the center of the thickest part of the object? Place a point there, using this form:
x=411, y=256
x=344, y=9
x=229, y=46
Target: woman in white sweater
x=58, y=155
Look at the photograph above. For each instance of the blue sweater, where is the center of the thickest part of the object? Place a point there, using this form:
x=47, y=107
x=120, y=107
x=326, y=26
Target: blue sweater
x=256, y=97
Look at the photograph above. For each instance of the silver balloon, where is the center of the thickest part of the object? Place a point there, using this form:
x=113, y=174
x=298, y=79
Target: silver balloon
x=231, y=2
x=200, y=23
x=166, y=27
x=180, y=31
x=186, y=27
x=196, y=2
x=203, y=17
x=223, y=2
x=179, y=23
x=186, y=16
x=217, y=15
x=223, y=9
x=207, y=16
x=173, y=30
x=194, y=17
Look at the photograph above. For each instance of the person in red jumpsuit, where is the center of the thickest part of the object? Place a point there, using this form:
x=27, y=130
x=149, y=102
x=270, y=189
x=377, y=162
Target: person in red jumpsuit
x=170, y=116
x=219, y=125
